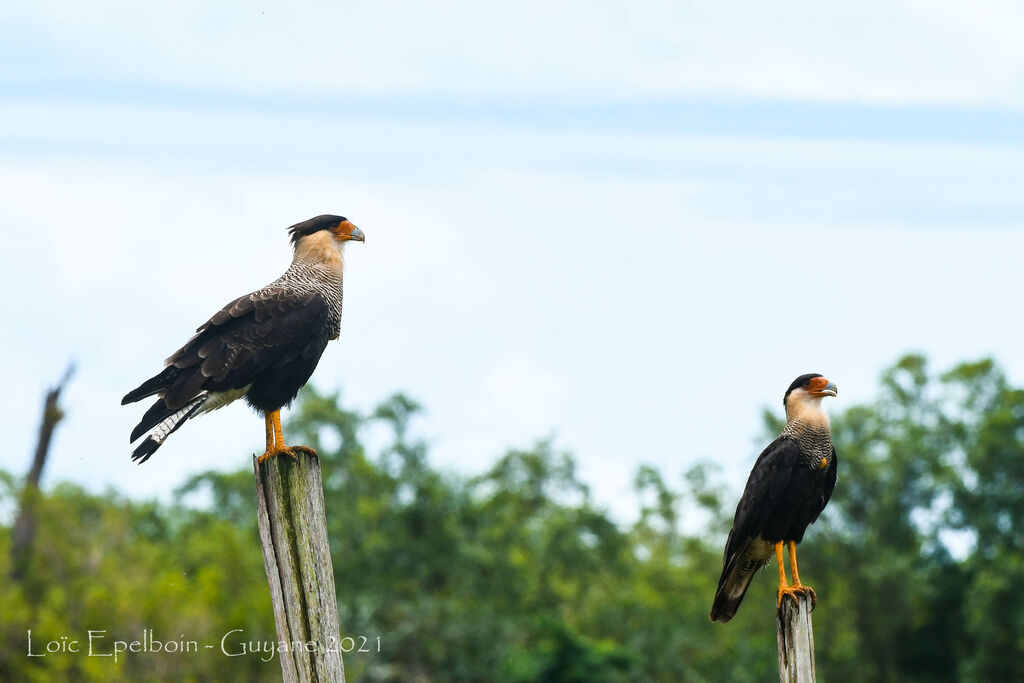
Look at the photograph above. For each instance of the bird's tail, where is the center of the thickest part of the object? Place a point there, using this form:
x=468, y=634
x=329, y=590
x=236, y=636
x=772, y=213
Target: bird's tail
x=164, y=421
x=153, y=385
x=731, y=589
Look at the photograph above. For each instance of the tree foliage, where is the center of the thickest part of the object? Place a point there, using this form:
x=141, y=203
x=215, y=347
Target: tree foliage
x=518, y=575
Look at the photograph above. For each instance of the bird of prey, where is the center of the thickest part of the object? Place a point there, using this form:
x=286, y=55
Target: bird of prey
x=262, y=346
x=788, y=488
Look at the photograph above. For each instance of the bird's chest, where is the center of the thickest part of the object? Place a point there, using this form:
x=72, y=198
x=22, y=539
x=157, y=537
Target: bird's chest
x=815, y=444
x=333, y=293
x=334, y=316
x=328, y=284
x=816, y=453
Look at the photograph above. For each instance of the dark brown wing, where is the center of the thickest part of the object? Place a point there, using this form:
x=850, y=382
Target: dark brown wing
x=250, y=335
x=764, y=491
x=745, y=550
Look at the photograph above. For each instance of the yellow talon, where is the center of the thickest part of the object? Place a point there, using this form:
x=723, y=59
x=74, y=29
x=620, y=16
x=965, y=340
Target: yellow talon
x=797, y=588
x=275, y=440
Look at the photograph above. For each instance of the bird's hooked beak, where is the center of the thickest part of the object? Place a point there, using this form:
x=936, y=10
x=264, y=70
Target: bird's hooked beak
x=346, y=232
x=829, y=389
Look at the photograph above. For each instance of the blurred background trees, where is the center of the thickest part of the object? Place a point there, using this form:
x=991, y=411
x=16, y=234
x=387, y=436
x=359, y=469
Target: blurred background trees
x=518, y=575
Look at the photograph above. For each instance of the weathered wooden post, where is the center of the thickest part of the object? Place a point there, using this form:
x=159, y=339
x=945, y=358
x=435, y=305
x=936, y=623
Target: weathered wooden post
x=796, y=639
x=293, y=531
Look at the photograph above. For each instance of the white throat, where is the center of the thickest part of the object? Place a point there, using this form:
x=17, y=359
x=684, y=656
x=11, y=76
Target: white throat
x=805, y=409
x=320, y=248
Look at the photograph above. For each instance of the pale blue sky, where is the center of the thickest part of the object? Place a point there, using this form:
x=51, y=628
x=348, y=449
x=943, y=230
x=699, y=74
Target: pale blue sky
x=628, y=224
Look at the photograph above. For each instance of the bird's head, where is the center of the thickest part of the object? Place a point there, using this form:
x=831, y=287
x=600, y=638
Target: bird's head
x=805, y=394
x=338, y=227
x=321, y=239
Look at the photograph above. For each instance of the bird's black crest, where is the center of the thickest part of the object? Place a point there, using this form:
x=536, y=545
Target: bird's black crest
x=800, y=381
x=324, y=222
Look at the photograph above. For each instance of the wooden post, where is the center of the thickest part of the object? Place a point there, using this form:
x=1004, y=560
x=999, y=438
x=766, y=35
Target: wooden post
x=24, y=531
x=796, y=640
x=293, y=530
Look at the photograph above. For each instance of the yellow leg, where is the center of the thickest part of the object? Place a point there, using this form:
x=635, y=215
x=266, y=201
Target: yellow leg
x=797, y=587
x=278, y=435
x=792, y=563
x=275, y=438
x=268, y=422
x=783, y=582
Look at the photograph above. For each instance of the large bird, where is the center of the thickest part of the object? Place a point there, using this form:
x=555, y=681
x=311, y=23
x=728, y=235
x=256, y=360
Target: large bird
x=262, y=346
x=788, y=488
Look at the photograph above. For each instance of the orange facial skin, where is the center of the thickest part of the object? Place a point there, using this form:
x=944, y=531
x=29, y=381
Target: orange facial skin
x=819, y=386
x=345, y=231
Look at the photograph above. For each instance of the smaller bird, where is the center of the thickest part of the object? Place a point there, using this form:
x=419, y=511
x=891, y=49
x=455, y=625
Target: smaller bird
x=262, y=346
x=789, y=486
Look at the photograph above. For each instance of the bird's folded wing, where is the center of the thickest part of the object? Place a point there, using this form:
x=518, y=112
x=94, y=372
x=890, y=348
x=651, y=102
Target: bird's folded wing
x=249, y=335
x=764, y=489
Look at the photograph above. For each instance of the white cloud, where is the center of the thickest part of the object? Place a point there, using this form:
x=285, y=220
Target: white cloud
x=561, y=285
x=882, y=52
x=516, y=278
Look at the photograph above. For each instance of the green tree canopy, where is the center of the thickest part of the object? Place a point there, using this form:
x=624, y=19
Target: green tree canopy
x=519, y=575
